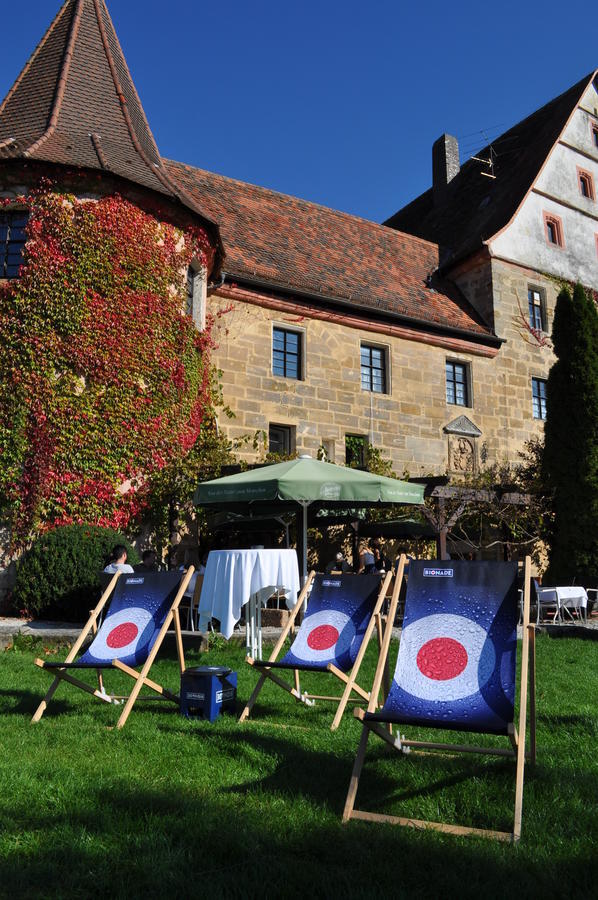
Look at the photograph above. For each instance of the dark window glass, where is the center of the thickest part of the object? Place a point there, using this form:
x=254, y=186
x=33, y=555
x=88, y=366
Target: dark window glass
x=536, y=309
x=280, y=439
x=554, y=233
x=190, y=285
x=586, y=185
x=355, y=450
x=457, y=391
x=12, y=241
x=286, y=353
x=373, y=369
x=539, y=398
x=595, y=134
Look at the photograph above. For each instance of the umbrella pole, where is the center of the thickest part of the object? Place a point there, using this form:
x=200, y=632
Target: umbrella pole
x=304, y=545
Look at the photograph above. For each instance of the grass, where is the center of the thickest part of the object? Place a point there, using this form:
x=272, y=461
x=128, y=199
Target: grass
x=171, y=807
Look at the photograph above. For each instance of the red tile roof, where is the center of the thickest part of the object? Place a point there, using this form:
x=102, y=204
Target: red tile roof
x=293, y=244
x=75, y=104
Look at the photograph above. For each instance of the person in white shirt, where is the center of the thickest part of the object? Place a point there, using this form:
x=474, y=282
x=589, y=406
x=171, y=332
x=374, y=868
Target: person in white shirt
x=118, y=561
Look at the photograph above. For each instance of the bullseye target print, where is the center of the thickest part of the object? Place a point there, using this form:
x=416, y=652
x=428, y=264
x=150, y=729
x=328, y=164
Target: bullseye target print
x=444, y=657
x=323, y=637
x=121, y=634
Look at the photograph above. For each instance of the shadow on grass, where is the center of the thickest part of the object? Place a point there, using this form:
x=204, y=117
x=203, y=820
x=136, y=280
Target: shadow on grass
x=118, y=841
x=583, y=722
x=324, y=778
x=24, y=703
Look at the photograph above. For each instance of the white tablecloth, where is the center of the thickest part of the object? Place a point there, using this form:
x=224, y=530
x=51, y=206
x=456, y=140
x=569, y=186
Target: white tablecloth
x=572, y=597
x=232, y=576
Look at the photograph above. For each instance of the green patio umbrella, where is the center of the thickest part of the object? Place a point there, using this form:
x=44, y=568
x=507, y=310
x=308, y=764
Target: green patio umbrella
x=305, y=481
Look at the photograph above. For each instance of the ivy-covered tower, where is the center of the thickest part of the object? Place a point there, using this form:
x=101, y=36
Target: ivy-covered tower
x=104, y=262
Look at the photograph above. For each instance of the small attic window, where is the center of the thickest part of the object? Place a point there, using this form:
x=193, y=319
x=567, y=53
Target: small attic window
x=553, y=230
x=586, y=184
x=12, y=242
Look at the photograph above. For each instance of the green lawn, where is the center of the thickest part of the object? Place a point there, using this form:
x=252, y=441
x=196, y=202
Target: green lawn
x=176, y=808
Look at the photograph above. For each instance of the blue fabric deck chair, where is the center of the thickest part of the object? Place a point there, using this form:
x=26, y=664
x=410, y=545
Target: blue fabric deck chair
x=142, y=608
x=456, y=670
x=341, y=615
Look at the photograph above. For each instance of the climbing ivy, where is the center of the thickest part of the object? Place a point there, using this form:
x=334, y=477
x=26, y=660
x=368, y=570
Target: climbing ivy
x=103, y=380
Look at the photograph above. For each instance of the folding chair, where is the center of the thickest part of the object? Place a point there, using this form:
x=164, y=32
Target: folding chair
x=142, y=608
x=456, y=670
x=341, y=615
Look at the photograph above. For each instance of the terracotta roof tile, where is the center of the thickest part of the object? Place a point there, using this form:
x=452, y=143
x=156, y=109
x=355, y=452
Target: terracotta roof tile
x=294, y=244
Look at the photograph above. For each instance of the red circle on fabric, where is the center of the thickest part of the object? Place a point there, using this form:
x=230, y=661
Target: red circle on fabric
x=122, y=635
x=323, y=637
x=442, y=659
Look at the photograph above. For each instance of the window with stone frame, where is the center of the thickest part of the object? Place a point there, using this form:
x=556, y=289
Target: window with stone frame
x=585, y=180
x=356, y=446
x=536, y=302
x=195, y=299
x=374, y=369
x=458, y=383
x=539, y=398
x=553, y=230
x=281, y=439
x=286, y=353
x=595, y=134
x=12, y=242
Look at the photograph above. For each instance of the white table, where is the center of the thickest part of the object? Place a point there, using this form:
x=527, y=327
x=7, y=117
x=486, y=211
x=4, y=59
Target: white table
x=236, y=577
x=572, y=598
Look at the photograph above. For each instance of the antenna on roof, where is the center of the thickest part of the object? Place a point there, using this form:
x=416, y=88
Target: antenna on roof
x=487, y=162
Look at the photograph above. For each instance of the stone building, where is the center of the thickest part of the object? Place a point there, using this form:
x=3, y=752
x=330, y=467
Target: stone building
x=424, y=336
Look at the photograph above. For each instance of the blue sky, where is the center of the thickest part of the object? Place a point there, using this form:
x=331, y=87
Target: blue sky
x=334, y=101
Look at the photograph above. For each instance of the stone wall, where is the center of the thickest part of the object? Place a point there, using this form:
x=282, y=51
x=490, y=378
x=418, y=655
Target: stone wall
x=412, y=424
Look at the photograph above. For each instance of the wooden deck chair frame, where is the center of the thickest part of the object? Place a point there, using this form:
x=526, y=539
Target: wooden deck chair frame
x=348, y=679
x=517, y=738
x=140, y=677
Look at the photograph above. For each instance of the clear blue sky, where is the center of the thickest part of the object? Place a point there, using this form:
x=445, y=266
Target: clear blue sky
x=335, y=101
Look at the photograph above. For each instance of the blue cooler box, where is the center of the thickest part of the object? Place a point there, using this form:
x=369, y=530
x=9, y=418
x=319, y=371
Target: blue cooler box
x=206, y=691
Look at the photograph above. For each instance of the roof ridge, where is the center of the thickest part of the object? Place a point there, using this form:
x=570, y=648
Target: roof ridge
x=308, y=203
x=118, y=86
x=582, y=84
x=61, y=85
x=28, y=64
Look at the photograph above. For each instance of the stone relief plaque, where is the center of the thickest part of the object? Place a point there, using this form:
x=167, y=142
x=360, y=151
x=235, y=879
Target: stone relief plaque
x=462, y=437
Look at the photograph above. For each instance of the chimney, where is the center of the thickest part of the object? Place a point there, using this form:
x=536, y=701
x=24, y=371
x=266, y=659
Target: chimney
x=445, y=165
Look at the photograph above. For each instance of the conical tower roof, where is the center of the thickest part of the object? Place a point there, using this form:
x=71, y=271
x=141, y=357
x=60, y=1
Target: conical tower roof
x=75, y=104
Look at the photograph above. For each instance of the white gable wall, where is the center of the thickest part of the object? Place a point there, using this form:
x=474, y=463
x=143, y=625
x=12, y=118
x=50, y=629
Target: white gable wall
x=556, y=192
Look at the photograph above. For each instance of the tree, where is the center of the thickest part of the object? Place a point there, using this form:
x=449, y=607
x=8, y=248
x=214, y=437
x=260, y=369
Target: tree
x=570, y=464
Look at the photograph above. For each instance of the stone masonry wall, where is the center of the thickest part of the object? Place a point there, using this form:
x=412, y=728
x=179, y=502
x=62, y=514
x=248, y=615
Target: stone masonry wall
x=408, y=423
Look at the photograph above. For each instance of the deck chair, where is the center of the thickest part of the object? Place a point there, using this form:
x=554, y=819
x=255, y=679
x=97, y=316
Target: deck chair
x=341, y=615
x=456, y=670
x=142, y=608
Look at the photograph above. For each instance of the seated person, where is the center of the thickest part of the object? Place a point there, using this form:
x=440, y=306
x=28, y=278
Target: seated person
x=366, y=560
x=117, y=561
x=338, y=564
x=148, y=562
x=381, y=562
x=203, y=561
